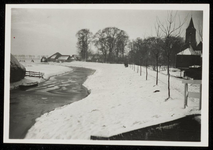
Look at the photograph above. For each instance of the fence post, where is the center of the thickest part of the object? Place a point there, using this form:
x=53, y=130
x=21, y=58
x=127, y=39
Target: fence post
x=200, y=96
x=137, y=68
x=185, y=94
x=188, y=94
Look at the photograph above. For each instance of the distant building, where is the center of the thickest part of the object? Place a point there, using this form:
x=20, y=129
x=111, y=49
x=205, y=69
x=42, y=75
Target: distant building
x=54, y=57
x=57, y=57
x=191, y=35
x=64, y=58
x=190, y=59
x=199, y=48
x=187, y=58
x=191, y=38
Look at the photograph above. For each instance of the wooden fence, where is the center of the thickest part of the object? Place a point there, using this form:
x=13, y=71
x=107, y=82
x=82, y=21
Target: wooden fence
x=192, y=94
x=34, y=74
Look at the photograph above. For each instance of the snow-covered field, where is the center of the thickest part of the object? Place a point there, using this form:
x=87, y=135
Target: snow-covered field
x=48, y=70
x=120, y=100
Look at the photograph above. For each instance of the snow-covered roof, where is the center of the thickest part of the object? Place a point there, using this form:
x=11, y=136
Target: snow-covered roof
x=54, y=55
x=188, y=51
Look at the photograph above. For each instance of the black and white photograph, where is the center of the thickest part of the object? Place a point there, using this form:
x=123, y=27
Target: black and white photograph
x=107, y=74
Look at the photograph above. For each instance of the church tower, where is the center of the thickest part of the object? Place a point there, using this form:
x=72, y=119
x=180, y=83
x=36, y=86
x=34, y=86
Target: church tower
x=191, y=35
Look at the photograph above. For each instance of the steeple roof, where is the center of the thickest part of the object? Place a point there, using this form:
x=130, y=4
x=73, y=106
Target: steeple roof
x=191, y=24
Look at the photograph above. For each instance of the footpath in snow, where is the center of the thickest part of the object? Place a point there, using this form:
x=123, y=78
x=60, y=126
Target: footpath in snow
x=120, y=100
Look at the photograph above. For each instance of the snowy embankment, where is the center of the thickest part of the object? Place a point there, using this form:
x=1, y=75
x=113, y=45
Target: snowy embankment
x=121, y=100
x=49, y=70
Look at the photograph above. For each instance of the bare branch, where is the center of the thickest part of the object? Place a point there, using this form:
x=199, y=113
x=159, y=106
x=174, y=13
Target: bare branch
x=170, y=28
x=157, y=29
x=161, y=26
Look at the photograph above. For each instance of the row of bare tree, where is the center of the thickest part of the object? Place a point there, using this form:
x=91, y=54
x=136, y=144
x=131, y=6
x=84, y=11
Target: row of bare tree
x=159, y=49
x=152, y=51
x=110, y=43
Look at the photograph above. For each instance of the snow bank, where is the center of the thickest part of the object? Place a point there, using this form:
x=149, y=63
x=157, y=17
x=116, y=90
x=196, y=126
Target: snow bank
x=120, y=100
x=49, y=70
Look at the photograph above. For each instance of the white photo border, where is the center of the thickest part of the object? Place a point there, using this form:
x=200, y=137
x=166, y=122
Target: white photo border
x=205, y=72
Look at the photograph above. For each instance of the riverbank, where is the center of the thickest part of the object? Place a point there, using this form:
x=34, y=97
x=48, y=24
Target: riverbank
x=121, y=100
x=26, y=106
x=49, y=70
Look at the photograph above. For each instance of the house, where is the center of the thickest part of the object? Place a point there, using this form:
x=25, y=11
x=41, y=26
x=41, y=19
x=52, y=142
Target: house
x=187, y=58
x=64, y=58
x=199, y=48
x=54, y=57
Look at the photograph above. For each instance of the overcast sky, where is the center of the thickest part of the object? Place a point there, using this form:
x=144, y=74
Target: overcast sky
x=46, y=31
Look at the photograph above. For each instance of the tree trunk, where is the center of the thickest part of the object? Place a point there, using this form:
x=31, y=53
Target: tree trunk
x=146, y=71
x=157, y=70
x=109, y=56
x=137, y=68
x=141, y=67
x=168, y=78
x=85, y=55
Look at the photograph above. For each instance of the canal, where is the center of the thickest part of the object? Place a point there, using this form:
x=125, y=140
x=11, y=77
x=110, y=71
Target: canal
x=27, y=105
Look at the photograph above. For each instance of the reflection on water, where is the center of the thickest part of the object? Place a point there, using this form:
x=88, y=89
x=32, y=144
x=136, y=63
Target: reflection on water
x=26, y=106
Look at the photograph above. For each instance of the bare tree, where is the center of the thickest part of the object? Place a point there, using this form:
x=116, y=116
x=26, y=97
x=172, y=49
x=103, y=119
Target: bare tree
x=140, y=53
x=131, y=53
x=101, y=44
x=171, y=27
x=122, y=41
x=111, y=38
x=111, y=41
x=155, y=46
x=84, y=38
x=146, y=54
x=157, y=49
